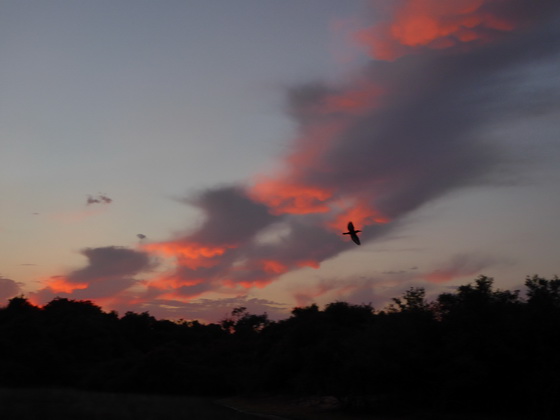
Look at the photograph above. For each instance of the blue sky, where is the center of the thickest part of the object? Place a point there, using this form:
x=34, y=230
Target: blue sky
x=158, y=104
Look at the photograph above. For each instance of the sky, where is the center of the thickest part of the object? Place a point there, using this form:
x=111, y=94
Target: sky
x=189, y=157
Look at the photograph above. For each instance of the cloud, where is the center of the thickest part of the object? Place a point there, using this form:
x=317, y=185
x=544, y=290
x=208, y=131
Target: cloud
x=9, y=288
x=380, y=288
x=215, y=254
x=208, y=310
x=419, y=25
x=110, y=271
x=241, y=244
x=420, y=137
x=377, y=289
x=228, y=254
x=405, y=130
x=98, y=199
x=460, y=266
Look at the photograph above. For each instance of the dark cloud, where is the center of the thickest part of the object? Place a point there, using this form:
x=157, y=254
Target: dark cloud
x=233, y=222
x=427, y=137
x=111, y=262
x=230, y=216
x=9, y=288
x=216, y=253
x=110, y=270
x=105, y=288
x=99, y=199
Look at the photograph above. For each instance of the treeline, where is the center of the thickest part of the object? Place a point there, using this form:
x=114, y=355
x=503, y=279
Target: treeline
x=474, y=350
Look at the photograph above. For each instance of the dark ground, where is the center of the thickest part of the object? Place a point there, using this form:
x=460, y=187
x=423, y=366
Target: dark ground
x=61, y=404
x=67, y=404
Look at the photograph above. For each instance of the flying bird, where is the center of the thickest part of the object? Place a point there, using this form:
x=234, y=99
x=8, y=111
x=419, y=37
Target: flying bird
x=353, y=233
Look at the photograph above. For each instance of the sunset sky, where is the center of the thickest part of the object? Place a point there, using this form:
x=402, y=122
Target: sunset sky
x=187, y=157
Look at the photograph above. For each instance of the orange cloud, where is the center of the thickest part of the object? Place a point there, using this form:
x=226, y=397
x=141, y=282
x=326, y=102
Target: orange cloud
x=192, y=251
x=283, y=196
x=332, y=115
x=60, y=284
x=272, y=266
x=172, y=282
x=433, y=24
x=327, y=115
x=190, y=254
x=360, y=213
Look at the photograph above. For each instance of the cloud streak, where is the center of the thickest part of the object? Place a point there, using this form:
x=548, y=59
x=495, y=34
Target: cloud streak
x=460, y=266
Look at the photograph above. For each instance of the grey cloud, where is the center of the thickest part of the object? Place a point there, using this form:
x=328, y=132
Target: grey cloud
x=231, y=216
x=427, y=136
x=9, y=288
x=99, y=199
x=110, y=270
x=104, y=288
x=111, y=262
x=306, y=239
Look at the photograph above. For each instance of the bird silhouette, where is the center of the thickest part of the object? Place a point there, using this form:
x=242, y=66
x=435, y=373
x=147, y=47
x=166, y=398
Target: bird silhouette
x=353, y=233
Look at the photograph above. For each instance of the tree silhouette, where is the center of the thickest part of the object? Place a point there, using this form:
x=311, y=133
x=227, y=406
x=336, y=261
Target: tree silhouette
x=475, y=350
x=244, y=323
x=542, y=293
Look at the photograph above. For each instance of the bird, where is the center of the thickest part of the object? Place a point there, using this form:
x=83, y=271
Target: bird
x=353, y=233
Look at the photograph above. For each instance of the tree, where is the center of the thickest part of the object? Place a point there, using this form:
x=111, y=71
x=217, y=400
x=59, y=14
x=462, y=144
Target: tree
x=241, y=322
x=543, y=293
x=414, y=299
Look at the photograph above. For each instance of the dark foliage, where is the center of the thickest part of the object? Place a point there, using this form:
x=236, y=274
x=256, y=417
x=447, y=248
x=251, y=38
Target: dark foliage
x=477, y=350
